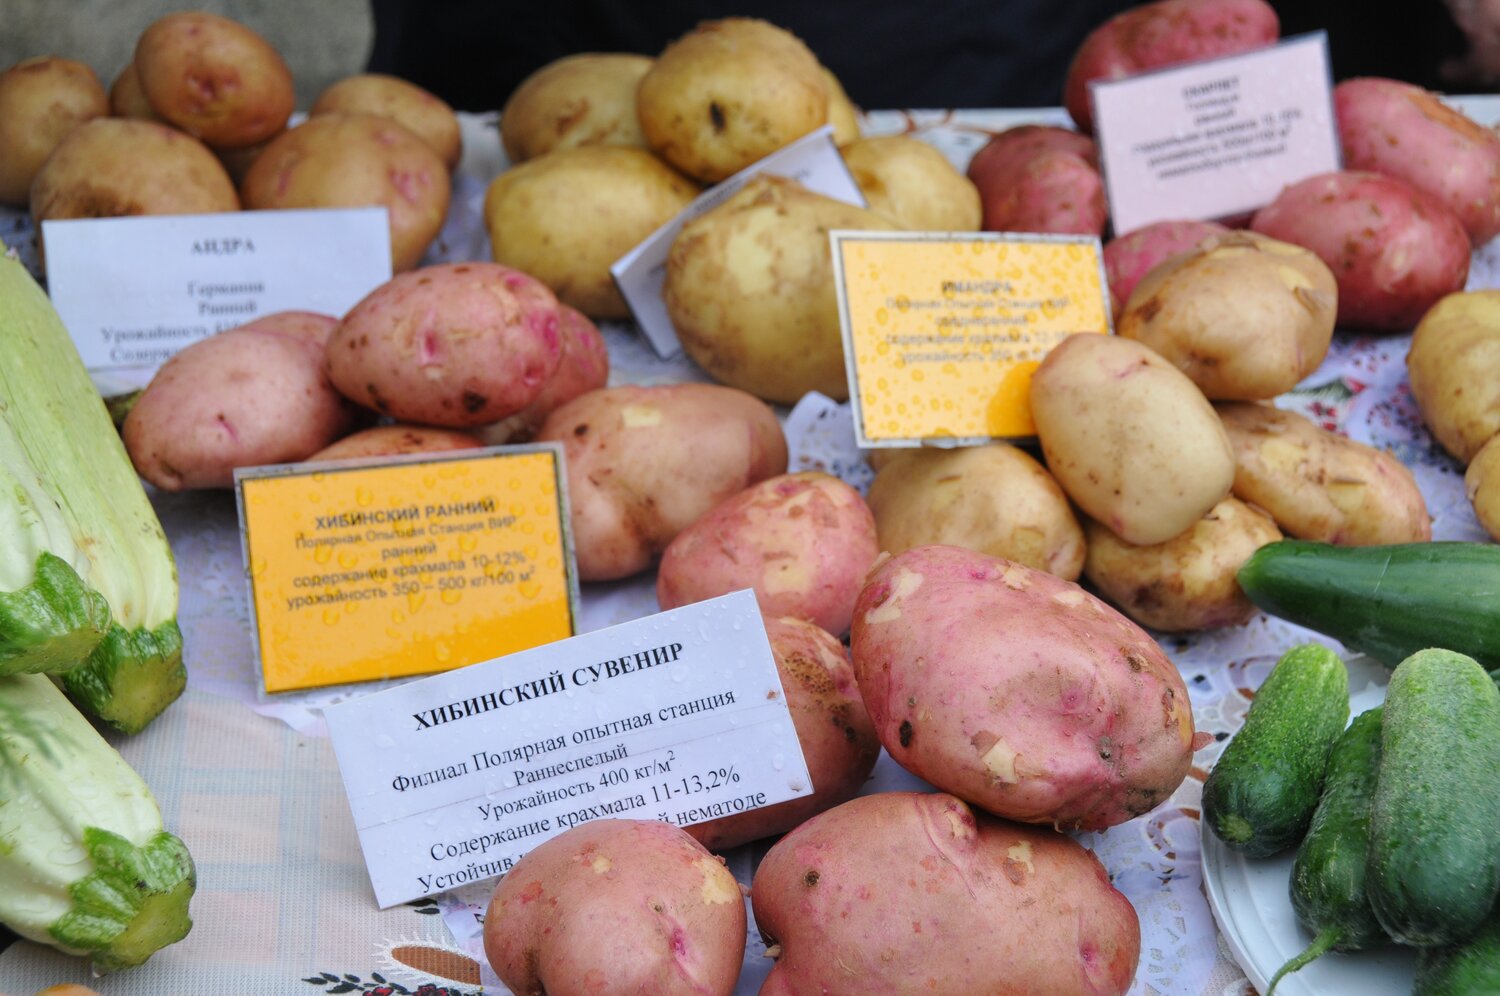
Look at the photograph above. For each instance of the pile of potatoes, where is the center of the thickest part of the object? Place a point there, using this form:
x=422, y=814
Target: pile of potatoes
x=196, y=123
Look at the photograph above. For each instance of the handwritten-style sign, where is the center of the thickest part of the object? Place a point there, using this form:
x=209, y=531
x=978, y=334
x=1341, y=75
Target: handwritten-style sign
x=678, y=717
x=1218, y=138
x=369, y=569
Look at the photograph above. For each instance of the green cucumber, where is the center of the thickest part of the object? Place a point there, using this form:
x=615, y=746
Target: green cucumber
x=1464, y=969
x=1385, y=601
x=1434, y=859
x=1328, y=877
x=1261, y=795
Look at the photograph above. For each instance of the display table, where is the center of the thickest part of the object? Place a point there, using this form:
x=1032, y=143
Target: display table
x=250, y=784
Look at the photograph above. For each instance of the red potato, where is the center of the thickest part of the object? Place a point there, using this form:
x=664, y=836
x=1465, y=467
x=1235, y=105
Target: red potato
x=803, y=542
x=583, y=367
x=1390, y=127
x=249, y=396
x=618, y=907
x=1166, y=33
x=1129, y=257
x=397, y=440
x=905, y=893
x=1017, y=691
x=838, y=741
x=456, y=345
x=645, y=462
x=1037, y=178
x=1393, y=249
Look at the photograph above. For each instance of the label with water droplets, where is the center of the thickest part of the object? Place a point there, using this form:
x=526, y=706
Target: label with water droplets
x=394, y=566
x=679, y=717
x=942, y=330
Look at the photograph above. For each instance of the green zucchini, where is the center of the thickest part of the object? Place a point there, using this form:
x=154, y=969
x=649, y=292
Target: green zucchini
x=1328, y=877
x=1434, y=860
x=1261, y=795
x=1464, y=969
x=1385, y=601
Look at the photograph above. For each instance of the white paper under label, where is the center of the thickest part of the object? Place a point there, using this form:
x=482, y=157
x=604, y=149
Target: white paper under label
x=134, y=291
x=813, y=161
x=1218, y=138
x=677, y=717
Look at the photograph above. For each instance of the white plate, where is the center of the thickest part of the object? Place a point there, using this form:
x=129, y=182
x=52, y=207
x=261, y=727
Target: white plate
x=1250, y=901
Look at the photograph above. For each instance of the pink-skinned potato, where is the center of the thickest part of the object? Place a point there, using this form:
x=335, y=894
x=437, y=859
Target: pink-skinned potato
x=838, y=741
x=397, y=440
x=1165, y=33
x=457, y=345
x=617, y=907
x=1401, y=130
x=246, y=397
x=1129, y=257
x=1039, y=178
x=1017, y=691
x=583, y=367
x=1393, y=249
x=645, y=462
x=803, y=542
x=906, y=893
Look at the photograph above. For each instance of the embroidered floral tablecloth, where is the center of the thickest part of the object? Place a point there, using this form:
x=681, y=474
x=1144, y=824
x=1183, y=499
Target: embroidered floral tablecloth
x=250, y=783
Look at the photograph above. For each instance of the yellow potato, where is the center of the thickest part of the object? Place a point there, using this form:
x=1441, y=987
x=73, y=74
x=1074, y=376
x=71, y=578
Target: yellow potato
x=1482, y=482
x=842, y=113
x=1244, y=316
x=127, y=99
x=913, y=184
x=1131, y=440
x=350, y=160
x=1454, y=367
x=995, y=499
x=424, y=114
x=586, y=99
x=1187, y=583
x=728, y=93
x=1319, y=485
x=41, y=100
x=750, y=291
x=565, y=216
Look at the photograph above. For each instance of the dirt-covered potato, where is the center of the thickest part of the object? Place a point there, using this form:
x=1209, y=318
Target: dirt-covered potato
x=913, y=184
x=246, y=397
x=1038, y=178
x=750, y=290
x=214, y=78
x=457, y=345
x=352, y=160
x=838, y=741
x=907, y=893
x=802, y=542
x=1131, y=440
x=127, y=99
x=1187, y=583
x=1482, y=483
x=41, y=100
x=1319, y=485
x=397, y=440
x=1454, y=369
x=1129, y=257
x=583, y=367
x=566, y=216
x=113, y=167
x=586, y=99
x=1244, y=316
x=842, y=114
x=616, y=907
x=645, y=462
x=419, y=111
x=995, y=499
x=728, y=93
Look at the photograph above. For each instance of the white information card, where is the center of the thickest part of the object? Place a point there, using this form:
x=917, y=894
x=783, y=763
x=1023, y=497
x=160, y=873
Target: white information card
x=677, y=717
x=812, y=160
x=1218, y=138
x=133, y=291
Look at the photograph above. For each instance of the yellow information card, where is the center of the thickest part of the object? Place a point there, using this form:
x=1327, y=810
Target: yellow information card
x=943, y=330
x=366, y=569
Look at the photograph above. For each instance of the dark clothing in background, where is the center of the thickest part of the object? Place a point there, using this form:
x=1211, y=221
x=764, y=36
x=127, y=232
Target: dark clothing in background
x=887, y=53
